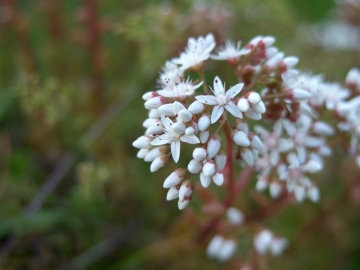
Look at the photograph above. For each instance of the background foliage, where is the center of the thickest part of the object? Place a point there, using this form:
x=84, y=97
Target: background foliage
x=74, y=195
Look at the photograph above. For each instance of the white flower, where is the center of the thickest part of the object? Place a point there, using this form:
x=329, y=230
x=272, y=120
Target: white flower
x=179, y=89
x=334, y=94
x=230, y=52
x=222, y=100
x=196, y=52
x=300, y=136
x=170, y=136
x=273, y=142
x=171, y=74
x=294, y=174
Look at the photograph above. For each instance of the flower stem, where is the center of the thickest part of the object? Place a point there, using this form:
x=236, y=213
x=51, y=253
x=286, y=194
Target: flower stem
x=205, y=86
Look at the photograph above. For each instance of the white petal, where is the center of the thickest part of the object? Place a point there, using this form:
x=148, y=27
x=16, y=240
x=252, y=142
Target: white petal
x=209, y=100
x=218, y=86
x=233, y=109
x=163, y=139
x=190, y=139
x=301, y=151
x=216, y=113
x=175, y=150
x=233, y=91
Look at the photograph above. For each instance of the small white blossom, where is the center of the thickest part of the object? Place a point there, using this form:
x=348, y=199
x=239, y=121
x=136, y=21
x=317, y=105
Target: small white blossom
x=170, y=136
x=222, y=100
x=230, y=52
x=196, y=52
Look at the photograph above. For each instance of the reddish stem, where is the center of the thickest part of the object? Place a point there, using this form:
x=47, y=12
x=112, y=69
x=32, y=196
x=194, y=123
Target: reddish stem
x=96, y=52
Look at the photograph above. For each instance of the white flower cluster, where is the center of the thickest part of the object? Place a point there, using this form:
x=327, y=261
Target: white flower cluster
x=267, y=87
x=178, y=115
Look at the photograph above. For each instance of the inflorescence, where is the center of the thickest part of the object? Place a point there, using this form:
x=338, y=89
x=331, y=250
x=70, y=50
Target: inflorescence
x=271, y=119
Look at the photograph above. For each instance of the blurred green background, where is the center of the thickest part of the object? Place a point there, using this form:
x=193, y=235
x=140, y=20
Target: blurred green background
x=74, y=195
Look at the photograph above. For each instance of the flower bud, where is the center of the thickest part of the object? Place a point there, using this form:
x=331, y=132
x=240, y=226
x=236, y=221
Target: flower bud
x=290, y=61
x=153, y=153
x=235, y=216
x=185, y=189
x=205, y=180
x=214, y=246
x=268, y=40
x=179, y=127
x=155, y=114
x=254, y=97
x=199, y=154
x=218, y=178
x=262, y=241
x=256, y=143
x=227, y=250
x=196, y=107
x=155, y=102
x=274, y=61
x=185, y=116
x=208, y=168
x=220, y=161
x=271, y=51
x=204, y=122
x=159, y=162
x=259, y=107
x=155, y=129
x=275, y=189
x=194, y=166
x=183, y=204
x=172, y=194
x=243, y=104
x=240, y=138
x=190, y=131
x=142, y=142
x=213, y=146
x=204, y=136
x=167, y=109
x=247, y=157
x=175, y=178
x=149, y=95
x=142, y=153
x=149, y=122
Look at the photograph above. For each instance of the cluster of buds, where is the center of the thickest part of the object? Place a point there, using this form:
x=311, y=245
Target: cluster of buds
x=289, y=142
